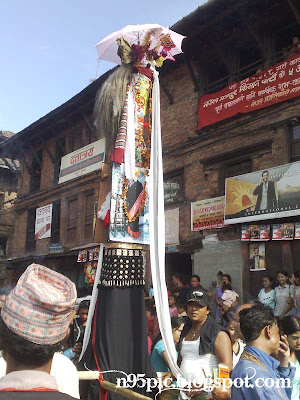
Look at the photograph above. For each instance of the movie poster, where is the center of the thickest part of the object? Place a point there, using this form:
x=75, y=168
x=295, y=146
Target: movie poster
x=257, y=257
x=254, y=232
x=277, y=231
x=266, y=194
x=297, y=230
x=129, y=207
x=245, y=233
x=265, y=232
x=288, y=231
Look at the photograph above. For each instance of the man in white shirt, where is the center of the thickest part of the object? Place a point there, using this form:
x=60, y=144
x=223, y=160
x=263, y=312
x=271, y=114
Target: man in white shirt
x=63, y=370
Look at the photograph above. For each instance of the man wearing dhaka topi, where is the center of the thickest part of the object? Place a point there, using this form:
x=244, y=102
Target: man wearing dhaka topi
x=35, y=318
x=266, y=193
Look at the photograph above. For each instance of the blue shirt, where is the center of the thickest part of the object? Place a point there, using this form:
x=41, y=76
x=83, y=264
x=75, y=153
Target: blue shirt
x=257, y=376
x=156, y=357
x=269, y=299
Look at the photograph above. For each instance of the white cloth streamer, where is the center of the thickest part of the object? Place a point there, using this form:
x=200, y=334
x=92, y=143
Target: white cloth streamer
x=157, y=231
x=129, y=155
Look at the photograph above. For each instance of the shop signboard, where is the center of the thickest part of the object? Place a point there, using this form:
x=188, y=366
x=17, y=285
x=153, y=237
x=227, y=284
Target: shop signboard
x=265, y=194
x=56, y=248
x=82, y=161
x=173, y=190
x=207, y=214
x=43, y=221
x=276, y=84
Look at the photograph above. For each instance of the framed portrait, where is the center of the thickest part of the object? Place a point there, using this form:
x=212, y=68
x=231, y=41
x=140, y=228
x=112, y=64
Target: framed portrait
x=257, y=257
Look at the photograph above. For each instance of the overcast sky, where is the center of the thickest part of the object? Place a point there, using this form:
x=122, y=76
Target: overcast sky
x=47, y=48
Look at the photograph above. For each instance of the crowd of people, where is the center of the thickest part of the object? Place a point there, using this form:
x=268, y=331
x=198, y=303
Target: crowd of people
x=264, y=334
x=41, y=338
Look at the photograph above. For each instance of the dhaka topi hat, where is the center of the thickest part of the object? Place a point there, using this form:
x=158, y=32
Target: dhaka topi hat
x=40, y=306
x=199, y=297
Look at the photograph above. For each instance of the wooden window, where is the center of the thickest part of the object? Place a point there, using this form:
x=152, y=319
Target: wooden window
x=88, y=217
x=55, y=227
x=36, y=171
x=72, y=220
x=295, y=143
x=233, y=169
x=30, y=230
x=75, y=140
x=59, y=153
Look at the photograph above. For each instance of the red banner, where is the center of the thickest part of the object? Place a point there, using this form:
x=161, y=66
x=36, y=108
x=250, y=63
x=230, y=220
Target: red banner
x=274, y=85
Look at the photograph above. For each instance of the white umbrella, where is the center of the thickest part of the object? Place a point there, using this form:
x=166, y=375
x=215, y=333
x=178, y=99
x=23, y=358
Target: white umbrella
x=134, y=34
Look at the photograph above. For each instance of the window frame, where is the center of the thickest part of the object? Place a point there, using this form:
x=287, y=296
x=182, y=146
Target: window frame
x=293, y=142
x=73, y=225
x=84, y=222
x=36, y=177
x=30, y=242
x=55, y=226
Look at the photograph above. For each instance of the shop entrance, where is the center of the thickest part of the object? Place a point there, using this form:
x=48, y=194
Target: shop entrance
x=180, y=263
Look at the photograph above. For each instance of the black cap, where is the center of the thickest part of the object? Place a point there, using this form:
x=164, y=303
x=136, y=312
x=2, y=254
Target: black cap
x=201, y=298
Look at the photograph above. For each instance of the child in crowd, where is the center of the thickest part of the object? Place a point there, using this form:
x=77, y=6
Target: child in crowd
x=172, y=306
x=181, y=309
x=267, y=293
x=77, y=330
x=219, y=279
x=228, y=297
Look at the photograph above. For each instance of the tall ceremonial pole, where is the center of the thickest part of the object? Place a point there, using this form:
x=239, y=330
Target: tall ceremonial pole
x=127, y=113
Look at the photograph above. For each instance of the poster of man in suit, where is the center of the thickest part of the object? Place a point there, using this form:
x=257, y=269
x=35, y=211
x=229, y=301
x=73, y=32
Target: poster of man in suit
x=266, y=193
x=257, y=260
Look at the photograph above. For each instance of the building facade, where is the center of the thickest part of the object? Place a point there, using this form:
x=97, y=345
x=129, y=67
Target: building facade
x=40, y=149
x=226, y=42
x=9, y=173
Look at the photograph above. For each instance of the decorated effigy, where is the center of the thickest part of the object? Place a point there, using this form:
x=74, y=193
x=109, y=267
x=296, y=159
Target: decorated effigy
x=127, y=114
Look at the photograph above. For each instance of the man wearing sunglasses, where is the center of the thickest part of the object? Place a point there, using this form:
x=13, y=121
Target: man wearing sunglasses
x=204, y=344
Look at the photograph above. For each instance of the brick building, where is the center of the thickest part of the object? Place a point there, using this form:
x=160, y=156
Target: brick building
x=40, y=148
x=227, y=41
x=9, y=172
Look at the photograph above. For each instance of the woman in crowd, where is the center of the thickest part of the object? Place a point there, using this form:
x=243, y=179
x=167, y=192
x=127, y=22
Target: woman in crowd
x=204, y=344
x=230, y=323
x=291, y=328
x=195, y=286
x=158, y=356
x=180, y=291
x=296, y=297
x=284, y=303
x=226, y=280
x=267, y=293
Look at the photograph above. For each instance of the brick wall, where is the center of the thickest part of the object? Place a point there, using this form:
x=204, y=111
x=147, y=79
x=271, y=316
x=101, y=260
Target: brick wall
x=184, y=148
